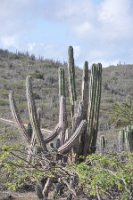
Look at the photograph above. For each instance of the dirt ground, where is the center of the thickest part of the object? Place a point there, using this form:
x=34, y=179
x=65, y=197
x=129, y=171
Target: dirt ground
x=18, y=196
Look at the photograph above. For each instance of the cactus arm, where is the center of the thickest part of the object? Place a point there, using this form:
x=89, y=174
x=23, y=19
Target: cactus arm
x=102, y=143
x=85, y=99
x=93, y=108
x=78, y=115
x=14, y=124
x=92, y=102
x=62, y=106
x=62, y=119
x=72, y=140
x=92, y=91
x=9, y=122
x=71, y=75
x=33, y=114
x=85, y=89
x=62, y=91
x=78, y=118
x=121, y=139
x=54, y=134
x=99, y=90
x=97, y=105
x=129, y=138
x=17, y=118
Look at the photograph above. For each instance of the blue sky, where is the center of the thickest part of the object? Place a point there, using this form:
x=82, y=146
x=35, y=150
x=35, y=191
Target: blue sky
x=99, y=30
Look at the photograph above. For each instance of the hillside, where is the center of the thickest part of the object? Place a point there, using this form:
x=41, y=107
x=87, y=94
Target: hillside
x=14, y=67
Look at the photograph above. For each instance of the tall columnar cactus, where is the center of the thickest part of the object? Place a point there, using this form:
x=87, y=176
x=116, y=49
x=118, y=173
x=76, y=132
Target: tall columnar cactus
x=126, y=139
x=72, y=84
x=81, y=135
x=94, y=109
x=85, y=89
x=62, y=85
x=121, y=140
x=102, y=144
x=77, y=138
x=91, y=97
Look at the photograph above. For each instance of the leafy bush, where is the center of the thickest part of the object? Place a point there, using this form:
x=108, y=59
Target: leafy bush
x=99, y=176
x=4, y=102
x=123, y=113
x=107, y=176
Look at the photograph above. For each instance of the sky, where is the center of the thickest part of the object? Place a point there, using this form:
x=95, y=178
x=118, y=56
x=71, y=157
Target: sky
x=98, y=30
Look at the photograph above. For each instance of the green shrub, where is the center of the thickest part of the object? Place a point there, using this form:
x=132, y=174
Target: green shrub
x=4, y=102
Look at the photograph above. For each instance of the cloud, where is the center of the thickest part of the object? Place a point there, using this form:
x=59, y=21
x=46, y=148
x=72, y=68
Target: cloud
x=83, y=30
x=8, y=41
x=98, y=29
x=116, y=18
x=51, y=51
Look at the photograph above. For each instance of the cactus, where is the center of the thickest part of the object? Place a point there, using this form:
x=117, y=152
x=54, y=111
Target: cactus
x=62, y=90
x=85, y=89
x=17, y=118
x=77, y=138
x=129, y=138
x=126, y=139
x=72, y=84
x=121, y=140
x=102, y=144
x=96, y=107
x=33, y=114
x=70, y=143
x=87, y=111
x=81, y=134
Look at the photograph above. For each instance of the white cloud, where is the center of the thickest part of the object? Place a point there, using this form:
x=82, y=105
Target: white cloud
x=116, y=19
x=8, y=41
x=83, y=30
x=100, y=31
x=51, y=51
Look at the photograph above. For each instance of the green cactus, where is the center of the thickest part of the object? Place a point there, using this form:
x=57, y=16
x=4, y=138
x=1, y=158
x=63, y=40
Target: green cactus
x=71, y=77
x=62, y=106
x=85, y=89
x=121, y=140
x=93, y=108
x=74, y=139
x=62, y=87
x=102, y=144
x=17, y=118
x=33, y=114
x=81, y=135
x=129, y=138
x=126, y=139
